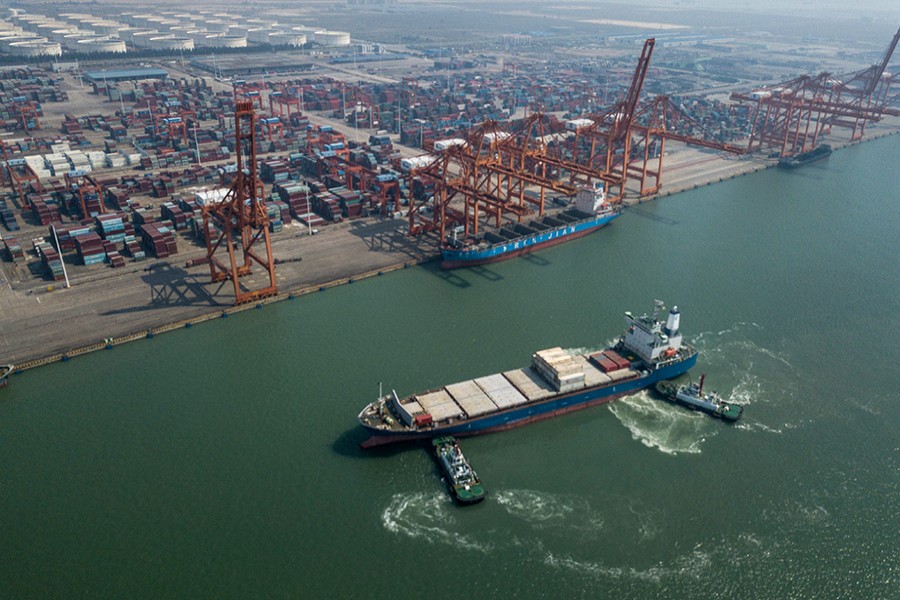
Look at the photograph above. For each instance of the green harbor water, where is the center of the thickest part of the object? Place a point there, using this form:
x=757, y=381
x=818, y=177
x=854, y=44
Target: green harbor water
x=222, y=461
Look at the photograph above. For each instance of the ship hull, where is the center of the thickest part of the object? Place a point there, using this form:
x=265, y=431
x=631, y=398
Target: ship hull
x=820, y=153
x=455, y=259
x=537, y=411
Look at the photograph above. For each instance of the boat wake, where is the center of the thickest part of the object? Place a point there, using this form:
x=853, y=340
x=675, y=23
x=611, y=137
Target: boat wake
x=543, y=510
x=427, y=516
x=690, y=569
x=692, y=565
x=663, y=426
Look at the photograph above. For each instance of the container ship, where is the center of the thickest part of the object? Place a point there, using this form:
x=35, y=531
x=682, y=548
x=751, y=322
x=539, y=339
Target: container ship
x=557, y=382
x=804, y=158
x=590, y=213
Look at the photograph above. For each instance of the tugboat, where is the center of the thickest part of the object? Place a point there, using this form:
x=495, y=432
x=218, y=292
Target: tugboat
x=461, y=478
x=693, y=397
x=5, y=372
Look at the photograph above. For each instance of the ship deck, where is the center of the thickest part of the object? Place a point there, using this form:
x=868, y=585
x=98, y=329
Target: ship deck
x=492, y=394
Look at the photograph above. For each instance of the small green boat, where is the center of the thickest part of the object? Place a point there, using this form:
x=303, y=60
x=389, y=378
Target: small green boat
x=693, y=397
x=461, y=477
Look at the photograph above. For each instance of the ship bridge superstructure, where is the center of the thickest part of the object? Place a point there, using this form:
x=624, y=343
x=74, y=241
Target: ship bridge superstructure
x=648, y=338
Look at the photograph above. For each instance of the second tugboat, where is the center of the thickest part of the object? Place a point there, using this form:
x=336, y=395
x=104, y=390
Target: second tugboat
x=461, y=477
x=693, y=397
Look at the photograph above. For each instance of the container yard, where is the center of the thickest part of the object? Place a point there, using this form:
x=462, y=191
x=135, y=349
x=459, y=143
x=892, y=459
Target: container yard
x=116, y=170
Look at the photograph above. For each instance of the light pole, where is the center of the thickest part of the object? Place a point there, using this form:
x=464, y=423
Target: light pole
x=61, y=259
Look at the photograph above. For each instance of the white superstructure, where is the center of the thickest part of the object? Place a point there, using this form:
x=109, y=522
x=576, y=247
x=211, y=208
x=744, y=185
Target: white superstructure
x=646, y=337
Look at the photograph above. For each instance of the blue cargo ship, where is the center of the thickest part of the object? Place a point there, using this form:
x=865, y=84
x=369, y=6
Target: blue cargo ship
x=590, y=213
x=558, y=381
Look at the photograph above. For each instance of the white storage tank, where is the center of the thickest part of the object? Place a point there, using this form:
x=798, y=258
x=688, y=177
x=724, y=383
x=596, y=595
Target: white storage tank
x=170, y=43
x=217, y=26
x=48, y=27
x=7, y=41
x=59, y=35
x=260, y=35
x=228, y=41
x=71, y=41
x=107, y=27
x=141, y=20
x=287, y=38
x=35, y=49
x=102, y=45
x=139, y=38
x=331, y=38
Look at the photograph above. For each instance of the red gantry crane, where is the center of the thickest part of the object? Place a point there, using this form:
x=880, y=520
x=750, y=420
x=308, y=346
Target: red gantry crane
x=791, y=117
x=239, y=225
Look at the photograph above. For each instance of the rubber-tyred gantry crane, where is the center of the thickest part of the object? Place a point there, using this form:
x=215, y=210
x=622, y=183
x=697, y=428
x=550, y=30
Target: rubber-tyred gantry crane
x=239, y=225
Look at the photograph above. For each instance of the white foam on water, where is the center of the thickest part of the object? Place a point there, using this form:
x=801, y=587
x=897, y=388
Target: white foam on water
x=658, y=424
x=543, y=510
x=690, y=566
x=427, y=516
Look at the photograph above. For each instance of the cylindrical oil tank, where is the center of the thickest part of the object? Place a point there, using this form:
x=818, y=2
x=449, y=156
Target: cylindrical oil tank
x=141, y=20
x=139, y=38
x=59, y=35
x=49, y=26
x=198, y=35
x=287, y=38
x=331, y=38
x=168, y=24
x=7, y=41
x=259, y=35
x=262, y=23
x=71, y=41
x=106, y=27
x=102, y=45
x=35, y=49
x=170, y=43
x=227, y=41
x=217, y=26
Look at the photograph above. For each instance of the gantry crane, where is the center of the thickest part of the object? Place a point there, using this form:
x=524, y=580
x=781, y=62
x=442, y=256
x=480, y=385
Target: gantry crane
x=791, y=117
x=88, y=191
x=604, y=146
x=657, y=122
x=241, y=218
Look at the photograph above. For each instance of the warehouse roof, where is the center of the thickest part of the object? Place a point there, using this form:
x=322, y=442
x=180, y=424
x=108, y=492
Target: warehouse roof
x=126, y=74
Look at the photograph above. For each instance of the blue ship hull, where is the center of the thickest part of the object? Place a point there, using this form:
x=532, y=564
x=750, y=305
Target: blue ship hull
x=537, y=411
x=452, y=258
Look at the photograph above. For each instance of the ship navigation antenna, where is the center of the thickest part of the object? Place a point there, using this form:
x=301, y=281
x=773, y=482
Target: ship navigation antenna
x=659, y=305
x=380, y=394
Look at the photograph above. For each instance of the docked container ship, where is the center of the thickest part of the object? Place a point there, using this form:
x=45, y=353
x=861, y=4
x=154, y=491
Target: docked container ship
x=557, y=382
x=590, y=213
x=804, y=158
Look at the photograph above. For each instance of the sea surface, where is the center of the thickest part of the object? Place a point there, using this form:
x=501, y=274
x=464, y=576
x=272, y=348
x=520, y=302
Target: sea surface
x=222, y=461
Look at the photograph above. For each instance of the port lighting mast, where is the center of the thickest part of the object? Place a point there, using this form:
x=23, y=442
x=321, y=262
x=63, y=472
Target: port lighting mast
x=239, y=224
